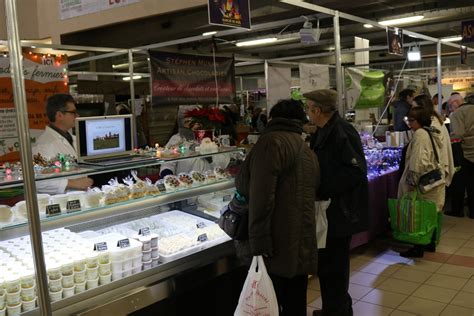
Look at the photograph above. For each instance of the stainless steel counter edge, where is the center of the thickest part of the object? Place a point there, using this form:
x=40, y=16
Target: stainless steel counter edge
x=133, y=205
x=131, y=286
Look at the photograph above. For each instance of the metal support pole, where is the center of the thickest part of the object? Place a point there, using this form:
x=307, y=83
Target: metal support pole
x=337, y=42
x=132, y=96
x=438, y=65
x=16, y=66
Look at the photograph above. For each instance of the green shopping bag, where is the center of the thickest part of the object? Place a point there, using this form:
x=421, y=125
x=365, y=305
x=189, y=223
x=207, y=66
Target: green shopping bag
x=414, y=220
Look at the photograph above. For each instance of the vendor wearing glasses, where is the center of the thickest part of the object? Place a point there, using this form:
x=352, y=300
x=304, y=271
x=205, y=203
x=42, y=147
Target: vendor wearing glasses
x=56, y=138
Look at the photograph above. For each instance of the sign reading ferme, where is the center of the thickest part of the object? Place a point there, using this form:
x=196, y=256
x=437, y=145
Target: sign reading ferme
x=190, y=79
x=467, y=31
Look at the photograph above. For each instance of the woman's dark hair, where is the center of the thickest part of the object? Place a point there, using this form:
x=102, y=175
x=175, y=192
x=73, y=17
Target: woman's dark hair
x=289, y=109
x=420, y=115
x=57, y=103
x=406, y=93
x=425, y=102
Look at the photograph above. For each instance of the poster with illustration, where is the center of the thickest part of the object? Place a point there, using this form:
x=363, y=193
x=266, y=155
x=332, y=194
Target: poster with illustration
x=233, y=13
x=365, y=88
x=44, y=75
x=395, y=41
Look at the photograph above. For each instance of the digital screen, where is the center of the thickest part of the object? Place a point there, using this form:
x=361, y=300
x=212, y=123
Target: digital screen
x=104, y=136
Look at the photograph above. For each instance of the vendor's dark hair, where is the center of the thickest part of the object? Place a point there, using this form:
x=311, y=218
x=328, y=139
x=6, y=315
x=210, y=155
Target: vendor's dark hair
x=289, y=109
x=57, y=103
x=425, y=102
x=420, y=115
x=406, y=93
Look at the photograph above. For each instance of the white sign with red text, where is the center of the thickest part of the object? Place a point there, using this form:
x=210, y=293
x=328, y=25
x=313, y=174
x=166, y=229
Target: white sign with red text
x=73, y=8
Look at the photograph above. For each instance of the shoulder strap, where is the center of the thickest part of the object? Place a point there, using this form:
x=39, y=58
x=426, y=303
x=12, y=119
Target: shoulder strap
x=432, y=144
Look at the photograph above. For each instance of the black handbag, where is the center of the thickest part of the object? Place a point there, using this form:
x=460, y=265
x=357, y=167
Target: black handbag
x=235, y=217
x=433, y=178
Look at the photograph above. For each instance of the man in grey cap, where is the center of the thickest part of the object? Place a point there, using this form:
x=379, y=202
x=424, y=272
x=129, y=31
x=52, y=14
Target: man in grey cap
x=344, y=181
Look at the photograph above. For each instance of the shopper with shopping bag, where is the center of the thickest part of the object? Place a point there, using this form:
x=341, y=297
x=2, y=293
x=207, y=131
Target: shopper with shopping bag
x=424, y=174
x=279, y=179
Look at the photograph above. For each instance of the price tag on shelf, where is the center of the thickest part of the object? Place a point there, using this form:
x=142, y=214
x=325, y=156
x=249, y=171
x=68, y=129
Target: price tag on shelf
x=200, y=225
x=145, y=231
x=73, y=206
x=202, y=237
x=161, y=187
x=124, y=243
x=53, y=210
x=100, y=246
x=227, y=198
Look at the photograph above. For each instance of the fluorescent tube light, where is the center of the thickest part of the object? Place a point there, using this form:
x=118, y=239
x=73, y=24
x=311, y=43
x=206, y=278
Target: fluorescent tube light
x=209, y=33
x=408, y=19
x=368, y=26
x=451, y=39
x=134, y=78
x=260, y=41
x=414, y=54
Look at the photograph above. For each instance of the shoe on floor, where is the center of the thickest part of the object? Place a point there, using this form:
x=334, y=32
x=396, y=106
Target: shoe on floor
x=317, y=312
x=414, y=252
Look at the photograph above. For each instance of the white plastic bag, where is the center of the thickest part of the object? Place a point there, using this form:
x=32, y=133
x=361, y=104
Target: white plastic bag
x=321, y=222
x=258, y=296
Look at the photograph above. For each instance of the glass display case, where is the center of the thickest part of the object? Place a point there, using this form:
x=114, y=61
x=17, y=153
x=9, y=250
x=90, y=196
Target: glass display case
x=107, y=243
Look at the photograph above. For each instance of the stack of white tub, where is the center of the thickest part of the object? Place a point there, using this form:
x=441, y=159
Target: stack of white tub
x=150, y=255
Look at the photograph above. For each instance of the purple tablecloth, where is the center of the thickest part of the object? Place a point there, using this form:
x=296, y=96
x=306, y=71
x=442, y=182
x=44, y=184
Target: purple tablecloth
x=381, y=189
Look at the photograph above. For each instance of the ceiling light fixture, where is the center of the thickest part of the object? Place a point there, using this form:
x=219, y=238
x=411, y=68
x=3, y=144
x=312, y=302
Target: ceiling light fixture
x=414, y=54
x=408, y=19
x=209, y=33
x=451, y=39
x=260, y=41
x=134, y=78
x=368, y=26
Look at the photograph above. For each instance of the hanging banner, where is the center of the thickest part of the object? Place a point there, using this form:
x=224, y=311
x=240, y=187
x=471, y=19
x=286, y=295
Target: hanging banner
x=313, y=77
x=233, y=13
x=278, y=84
x=191, y=79
x=395, y=41
x=467, y=28
x=72, y=8
x=365, y=88
x=44, y=76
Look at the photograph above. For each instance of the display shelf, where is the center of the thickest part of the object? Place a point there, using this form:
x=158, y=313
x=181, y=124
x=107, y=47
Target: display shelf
x=15, y=180
x=67, y=219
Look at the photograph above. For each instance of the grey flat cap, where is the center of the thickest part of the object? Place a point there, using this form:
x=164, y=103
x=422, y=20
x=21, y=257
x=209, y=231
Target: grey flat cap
x=326, y=98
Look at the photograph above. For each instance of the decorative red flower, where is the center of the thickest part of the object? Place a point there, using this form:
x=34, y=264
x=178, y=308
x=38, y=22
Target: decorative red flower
x=208, y=117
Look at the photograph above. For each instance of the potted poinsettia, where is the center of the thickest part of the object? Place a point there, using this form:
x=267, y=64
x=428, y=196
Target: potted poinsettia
x=209, y=119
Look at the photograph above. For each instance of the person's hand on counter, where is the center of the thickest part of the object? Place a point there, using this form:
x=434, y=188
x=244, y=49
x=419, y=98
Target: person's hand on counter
x=80, y=183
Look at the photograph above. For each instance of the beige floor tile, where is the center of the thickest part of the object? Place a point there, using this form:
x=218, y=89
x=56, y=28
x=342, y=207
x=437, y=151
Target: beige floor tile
x=410, y=274
x=399, y=286
x=435, y=293
x=457, y=234
x=469, y=286
x=365, y=309
x=422, y=306
x=464, y=299
x=469, y=244
x=401, y=313
x=366, y=279
x=469, y=252
x=452, y=310
x=313, y=283
x=317, y=303
x=358, y=291
x=380, y=268
x=312, y=295
x=457, y=271
x=452, y=242
x=447, y=249
x=446, y=281
x=384, y=298
x=390, y=259
x=424, y=265
x=357, y=263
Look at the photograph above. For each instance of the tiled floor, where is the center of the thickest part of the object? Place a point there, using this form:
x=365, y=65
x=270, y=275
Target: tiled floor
x=383, y=283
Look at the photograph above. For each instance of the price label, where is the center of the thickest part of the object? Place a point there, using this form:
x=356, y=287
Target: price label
x=200, y=225
x=227, y=198
x=124, y=243
x=161, y=187
x=73, y=206
x=202, y=237
x=145, y=231
x=100, y=246
x=53, y=209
